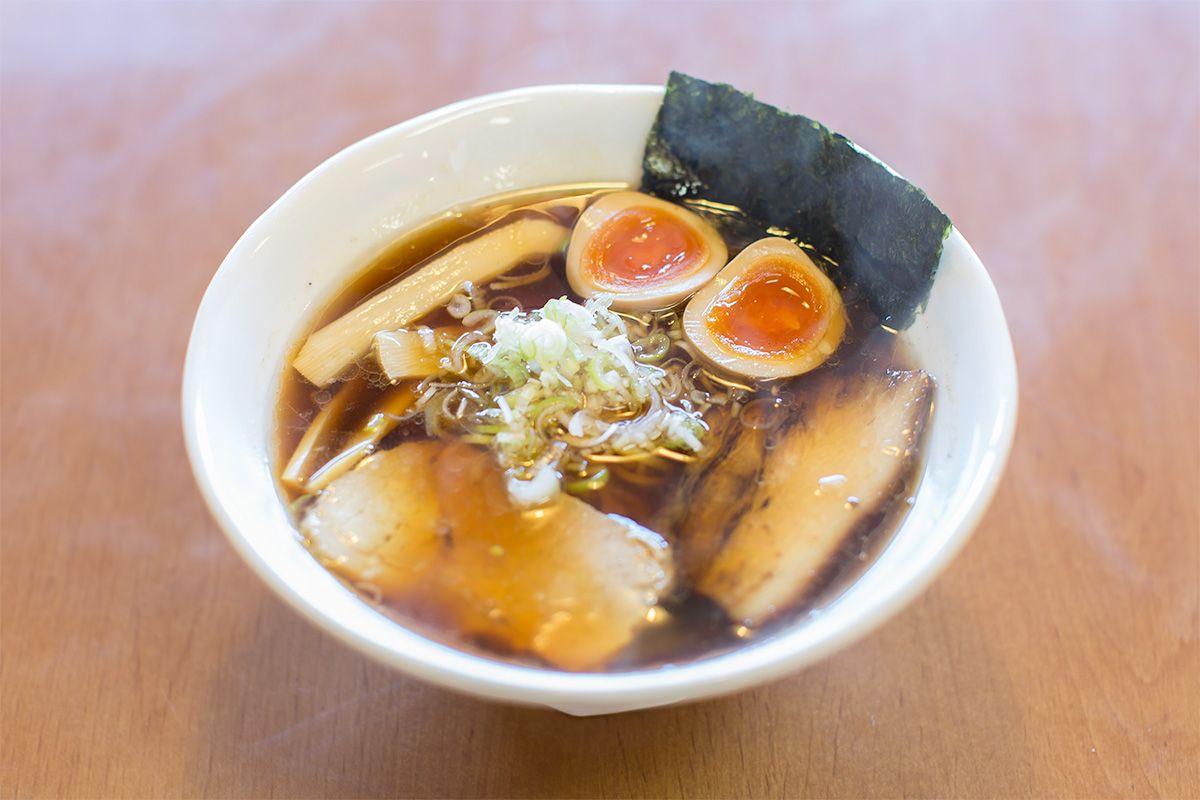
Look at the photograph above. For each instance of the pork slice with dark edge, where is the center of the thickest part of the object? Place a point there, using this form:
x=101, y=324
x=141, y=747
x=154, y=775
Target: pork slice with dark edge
x=848, y=453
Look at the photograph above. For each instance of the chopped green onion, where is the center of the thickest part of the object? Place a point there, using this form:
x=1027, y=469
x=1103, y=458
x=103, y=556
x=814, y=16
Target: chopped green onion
x=560, y=401
x=565, y=381
x=653, y=348
x=591, y=483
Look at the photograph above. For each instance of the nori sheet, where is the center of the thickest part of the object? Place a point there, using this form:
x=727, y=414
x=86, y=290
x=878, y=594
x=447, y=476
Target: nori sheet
x=785, y=171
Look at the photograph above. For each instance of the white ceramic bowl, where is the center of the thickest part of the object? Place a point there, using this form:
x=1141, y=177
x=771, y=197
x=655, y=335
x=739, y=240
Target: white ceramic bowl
x=304, y=247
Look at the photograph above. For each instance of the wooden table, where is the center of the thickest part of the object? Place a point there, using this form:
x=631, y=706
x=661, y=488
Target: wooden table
x=1058, y=657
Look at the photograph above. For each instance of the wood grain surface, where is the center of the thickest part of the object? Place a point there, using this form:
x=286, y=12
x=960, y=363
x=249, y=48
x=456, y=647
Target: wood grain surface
x=1058, y=657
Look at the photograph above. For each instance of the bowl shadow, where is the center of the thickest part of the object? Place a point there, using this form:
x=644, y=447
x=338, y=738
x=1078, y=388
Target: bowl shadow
x=294, y=713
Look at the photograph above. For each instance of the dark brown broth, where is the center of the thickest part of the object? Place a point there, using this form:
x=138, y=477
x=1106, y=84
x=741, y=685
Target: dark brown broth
x=696, y=627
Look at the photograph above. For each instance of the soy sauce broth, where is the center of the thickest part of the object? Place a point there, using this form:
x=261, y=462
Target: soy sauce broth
x=694, y=627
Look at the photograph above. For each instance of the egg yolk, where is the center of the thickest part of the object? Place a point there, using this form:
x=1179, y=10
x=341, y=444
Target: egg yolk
x=770, y=310
x=642, y=247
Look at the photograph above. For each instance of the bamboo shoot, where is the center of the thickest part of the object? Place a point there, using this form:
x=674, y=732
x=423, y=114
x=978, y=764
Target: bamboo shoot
x=379, y=425
x=407, y=354
x=323, y=425
x=514, y=239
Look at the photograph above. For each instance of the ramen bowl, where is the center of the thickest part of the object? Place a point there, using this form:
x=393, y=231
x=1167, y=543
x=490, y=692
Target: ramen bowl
x=288, y=264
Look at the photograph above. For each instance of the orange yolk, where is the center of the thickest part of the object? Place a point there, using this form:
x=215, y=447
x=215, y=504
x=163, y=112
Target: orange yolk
x=771, y=310
x=642, y=247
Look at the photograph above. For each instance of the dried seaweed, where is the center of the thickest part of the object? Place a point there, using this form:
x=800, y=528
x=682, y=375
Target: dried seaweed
x=792, y=175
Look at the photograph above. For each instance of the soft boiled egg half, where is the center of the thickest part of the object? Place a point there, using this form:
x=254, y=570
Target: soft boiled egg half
x=770, y=313
x=644, y=252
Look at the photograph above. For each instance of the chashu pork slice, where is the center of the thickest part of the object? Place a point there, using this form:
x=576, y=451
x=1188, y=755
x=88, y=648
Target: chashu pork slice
x=850, y=450
x=431, y=525
x=720, y=497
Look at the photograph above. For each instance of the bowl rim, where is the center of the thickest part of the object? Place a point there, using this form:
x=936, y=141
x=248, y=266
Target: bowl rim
x=586, y=692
